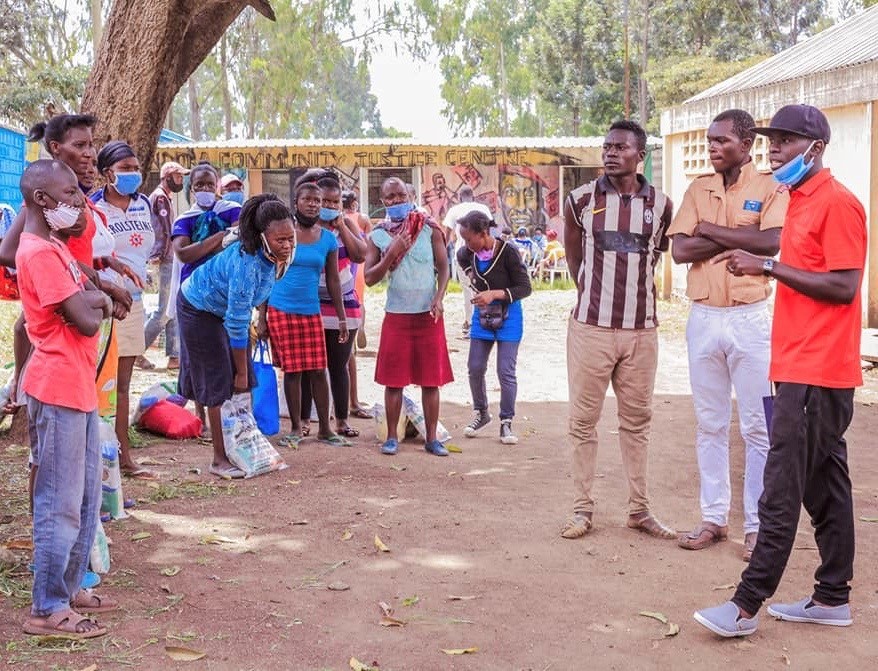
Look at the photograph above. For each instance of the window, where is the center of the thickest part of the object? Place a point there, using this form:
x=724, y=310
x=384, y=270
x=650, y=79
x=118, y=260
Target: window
x=760, y=150
x=696, y=159
x=375, y=178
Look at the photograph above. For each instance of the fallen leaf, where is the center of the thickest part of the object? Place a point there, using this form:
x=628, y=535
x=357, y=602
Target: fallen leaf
x=393, y=496
x=459, y=651
x=380, y=546
x=655, y=616
x=869, y=519
x=454, y=597
x=141, y=535
x=388, y=621
x=357, y=665
x=347, y=535
x=179, y=654
x=395, y=467
x=338, y=587
x=451, y=473
x=150, y=461
x=23, y=544
x=673, y=630
x=453, y=448
x=386, y=608
x=294, y=482
x=300, y=522
x=214, y=539
x=730, y=585
x=411, y=600
x=170, y=571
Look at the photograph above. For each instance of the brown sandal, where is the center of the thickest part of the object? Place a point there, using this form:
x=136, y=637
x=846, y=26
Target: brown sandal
x=648, y=524
x=87, y=601
x=703, y=536
x=66, y=623
x=577, y=526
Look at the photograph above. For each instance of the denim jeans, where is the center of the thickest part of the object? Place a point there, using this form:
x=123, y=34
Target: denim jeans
x=158, y=320
x=507, y=356
x=67, y=500
x=807, y=465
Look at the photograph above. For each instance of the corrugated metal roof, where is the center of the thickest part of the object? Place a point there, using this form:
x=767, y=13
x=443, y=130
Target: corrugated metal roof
x=485, y=142
x=851, y=42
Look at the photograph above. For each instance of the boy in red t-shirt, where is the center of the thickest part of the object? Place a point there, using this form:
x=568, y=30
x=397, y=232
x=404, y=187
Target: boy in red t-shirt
x=63, y=313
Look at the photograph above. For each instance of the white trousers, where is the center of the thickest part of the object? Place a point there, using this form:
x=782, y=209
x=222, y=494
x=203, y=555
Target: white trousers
x=729, y=347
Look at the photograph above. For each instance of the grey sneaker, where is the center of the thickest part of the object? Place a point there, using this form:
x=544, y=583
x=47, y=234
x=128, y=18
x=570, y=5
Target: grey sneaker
x=479, y=421
x=808, y=611
x=726, y=620
x=506, y=435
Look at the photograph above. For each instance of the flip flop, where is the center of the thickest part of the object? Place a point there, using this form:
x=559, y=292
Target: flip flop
x=291, y=440
x=361, y=413
x=63, y=623
x=335, y=440
x=348, y=432
x=231, y=473
x=140, y=474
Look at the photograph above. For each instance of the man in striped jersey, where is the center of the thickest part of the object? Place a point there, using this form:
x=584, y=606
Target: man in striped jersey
x=615, y=229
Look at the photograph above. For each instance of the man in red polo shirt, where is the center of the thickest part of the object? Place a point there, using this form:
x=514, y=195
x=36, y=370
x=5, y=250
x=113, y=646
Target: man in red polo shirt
x=815, y=365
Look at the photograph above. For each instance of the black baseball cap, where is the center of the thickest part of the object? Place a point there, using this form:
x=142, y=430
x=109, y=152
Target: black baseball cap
x=802, y=120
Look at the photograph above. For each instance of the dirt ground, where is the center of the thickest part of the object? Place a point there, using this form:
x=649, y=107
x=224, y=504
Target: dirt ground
x=282, y=571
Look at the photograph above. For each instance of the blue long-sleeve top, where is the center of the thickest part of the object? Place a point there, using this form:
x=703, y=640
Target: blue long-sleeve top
x=230, y=285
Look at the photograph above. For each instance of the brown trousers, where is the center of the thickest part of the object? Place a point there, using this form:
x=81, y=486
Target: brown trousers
x=628, y=358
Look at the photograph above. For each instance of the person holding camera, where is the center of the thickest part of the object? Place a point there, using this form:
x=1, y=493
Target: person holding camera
x=499, y=280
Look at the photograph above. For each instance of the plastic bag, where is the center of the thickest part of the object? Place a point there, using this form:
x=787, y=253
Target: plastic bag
x=246, y=447
x=168, y=419
x=160, y=391
x=112, y=500
x=413, y=411
x=266, y=408
x=99, y=556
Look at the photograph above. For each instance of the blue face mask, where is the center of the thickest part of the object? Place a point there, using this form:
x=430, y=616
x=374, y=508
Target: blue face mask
x=127, y=183
x=328, y=214
x=235, y=197
x=792, y=172
x=399, y=212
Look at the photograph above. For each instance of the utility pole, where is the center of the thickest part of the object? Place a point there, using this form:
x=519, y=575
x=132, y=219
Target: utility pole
x=627, y=78
x=97, y=27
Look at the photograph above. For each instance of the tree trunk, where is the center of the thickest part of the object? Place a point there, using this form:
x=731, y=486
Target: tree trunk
x=642, y=82
x=96, y=25
x=194, y=110
x=224, y=83
x=149, y=50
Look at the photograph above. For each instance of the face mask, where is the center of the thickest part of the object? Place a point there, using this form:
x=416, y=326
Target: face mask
x=328, y=214
x=64, y=216
x=280, y=267
x=205, y=199
x=792, y=172
x=127, y=183
x=306, y=222
x=173, y=187
x=398, y=212
x=235, y=197
x=485, y=254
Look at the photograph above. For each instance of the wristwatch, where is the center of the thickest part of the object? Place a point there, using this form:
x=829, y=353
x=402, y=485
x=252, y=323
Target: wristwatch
x=768, y=267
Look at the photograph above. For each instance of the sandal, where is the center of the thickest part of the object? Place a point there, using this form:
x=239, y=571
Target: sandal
x=306, y=430
x=66, y=623
x=361, y=413
x=87, y=601
x=291, y=440
x=348, y=431
x=577, y=526
x=704, y=535
x=335, y=440
x=648, y=524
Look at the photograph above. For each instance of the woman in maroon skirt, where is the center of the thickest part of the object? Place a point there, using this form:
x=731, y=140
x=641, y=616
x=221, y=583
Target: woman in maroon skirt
x=293, y=316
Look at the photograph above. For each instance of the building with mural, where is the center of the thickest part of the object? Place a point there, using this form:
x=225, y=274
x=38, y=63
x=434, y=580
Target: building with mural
x=837, y=71
x=522, y=180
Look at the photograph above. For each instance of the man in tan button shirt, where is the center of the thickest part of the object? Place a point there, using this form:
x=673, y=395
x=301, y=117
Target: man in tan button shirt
x=729, y=328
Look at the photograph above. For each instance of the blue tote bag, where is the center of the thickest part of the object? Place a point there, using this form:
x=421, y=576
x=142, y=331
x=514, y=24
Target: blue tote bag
x=266, y=408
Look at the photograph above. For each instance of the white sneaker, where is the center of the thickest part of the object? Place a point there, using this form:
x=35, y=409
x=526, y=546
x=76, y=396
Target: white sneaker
x=506, y=435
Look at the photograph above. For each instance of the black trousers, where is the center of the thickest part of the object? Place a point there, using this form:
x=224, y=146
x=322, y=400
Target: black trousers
x=337, y=357
x=807, y=464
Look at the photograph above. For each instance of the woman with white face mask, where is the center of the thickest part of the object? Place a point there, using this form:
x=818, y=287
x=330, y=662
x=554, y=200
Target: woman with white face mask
x=197, y=234
x=129, y=231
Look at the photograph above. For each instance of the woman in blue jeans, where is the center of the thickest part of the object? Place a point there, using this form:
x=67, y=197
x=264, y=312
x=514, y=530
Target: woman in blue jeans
x=499, y=281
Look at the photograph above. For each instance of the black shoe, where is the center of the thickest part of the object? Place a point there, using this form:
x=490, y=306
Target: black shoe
x=506, y=435
x=480, y=420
